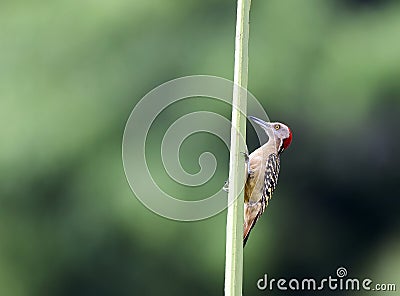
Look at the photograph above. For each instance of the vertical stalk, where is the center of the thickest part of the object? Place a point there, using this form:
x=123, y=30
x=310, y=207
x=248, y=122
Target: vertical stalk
x=234, y=223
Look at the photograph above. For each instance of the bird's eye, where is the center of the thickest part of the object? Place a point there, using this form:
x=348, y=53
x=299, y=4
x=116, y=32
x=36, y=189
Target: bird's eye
x=277, y=126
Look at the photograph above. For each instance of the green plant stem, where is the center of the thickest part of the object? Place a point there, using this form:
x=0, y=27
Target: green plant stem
x=234, y=223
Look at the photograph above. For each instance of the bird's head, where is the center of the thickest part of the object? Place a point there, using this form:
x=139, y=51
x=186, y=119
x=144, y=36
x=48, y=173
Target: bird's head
x=276, y=131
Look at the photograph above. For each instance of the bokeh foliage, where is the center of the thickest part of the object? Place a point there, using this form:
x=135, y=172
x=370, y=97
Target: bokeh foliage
x=71, y=72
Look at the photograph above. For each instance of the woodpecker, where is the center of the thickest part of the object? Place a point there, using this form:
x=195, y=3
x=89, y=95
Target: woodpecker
x=262, y=167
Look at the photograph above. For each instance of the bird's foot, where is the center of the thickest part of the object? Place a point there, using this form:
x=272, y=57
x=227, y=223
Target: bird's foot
x=246, y=156
x=226, y=186
x=247, y=160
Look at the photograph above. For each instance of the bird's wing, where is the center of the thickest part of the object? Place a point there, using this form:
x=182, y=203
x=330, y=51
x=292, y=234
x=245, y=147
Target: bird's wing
x=253, y=211
x=270, y=178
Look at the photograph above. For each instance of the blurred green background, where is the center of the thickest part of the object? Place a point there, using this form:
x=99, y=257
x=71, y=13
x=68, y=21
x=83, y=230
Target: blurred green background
x=70, y=74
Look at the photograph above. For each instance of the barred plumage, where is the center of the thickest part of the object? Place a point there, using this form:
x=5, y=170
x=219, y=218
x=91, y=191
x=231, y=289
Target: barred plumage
x=270, y=178
x=263, y=167
x=257, y=195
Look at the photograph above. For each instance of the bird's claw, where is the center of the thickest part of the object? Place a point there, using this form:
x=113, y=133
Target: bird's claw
x=246, y=156
x=247, y=160
x=226, y=186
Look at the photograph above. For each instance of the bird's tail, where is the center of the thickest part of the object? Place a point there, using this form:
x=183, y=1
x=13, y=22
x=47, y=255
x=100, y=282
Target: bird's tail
x=251, y=215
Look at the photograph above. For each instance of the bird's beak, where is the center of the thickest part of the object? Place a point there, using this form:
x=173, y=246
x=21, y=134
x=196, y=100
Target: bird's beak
x=260, y=122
